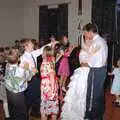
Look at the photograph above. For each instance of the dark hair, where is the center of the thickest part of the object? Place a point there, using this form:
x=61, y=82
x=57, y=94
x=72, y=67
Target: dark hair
x=25, y=41
x=1, y=50
x=57, y=48
x=90, y=27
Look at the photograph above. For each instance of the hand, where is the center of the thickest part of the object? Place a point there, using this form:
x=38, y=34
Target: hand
x=61, y=52
x=26, y=66
x=34, y=70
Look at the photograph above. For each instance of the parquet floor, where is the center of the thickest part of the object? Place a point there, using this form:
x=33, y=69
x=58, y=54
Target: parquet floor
x=111, y=112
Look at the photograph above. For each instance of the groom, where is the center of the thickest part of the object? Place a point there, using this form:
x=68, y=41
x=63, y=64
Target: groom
x=97, y=74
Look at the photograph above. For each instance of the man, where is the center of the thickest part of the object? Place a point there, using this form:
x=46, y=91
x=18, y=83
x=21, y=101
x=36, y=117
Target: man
x=97, y=74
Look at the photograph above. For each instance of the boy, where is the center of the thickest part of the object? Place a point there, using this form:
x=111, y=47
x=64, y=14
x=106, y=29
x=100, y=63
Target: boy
x=16, y=78
x=33, y=92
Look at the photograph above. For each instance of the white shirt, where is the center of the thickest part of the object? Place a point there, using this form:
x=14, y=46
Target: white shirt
x=27, y=57
x=99, y=51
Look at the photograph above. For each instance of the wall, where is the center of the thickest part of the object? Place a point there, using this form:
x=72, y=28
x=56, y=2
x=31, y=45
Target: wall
x=31, y=16
x=11, y=21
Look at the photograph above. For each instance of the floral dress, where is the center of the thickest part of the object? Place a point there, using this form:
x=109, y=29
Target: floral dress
x=49, y=89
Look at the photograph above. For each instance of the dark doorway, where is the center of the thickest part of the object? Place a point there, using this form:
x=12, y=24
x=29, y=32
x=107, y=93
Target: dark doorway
x=53, y=21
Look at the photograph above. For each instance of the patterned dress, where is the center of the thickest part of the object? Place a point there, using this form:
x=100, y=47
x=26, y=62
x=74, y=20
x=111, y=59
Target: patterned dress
x=49, y=89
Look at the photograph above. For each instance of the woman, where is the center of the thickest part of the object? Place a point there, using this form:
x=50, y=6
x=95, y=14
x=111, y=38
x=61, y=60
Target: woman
x=75, y=100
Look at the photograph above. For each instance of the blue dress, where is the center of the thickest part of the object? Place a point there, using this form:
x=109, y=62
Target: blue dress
x=115, y=89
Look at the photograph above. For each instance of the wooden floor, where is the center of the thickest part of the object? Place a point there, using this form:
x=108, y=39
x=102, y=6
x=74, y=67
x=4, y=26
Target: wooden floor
x=111, y=113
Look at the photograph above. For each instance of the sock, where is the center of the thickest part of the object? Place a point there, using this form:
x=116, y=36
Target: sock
x=5, y=108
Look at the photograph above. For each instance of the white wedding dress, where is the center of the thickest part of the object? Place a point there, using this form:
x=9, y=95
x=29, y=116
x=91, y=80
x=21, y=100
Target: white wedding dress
x=75, y=100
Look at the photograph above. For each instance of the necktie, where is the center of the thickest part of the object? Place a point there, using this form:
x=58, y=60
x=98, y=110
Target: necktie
x=34, y=61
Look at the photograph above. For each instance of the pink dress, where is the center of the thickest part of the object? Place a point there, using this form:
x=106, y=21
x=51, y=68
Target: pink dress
x=64, y=69
x=49, y=90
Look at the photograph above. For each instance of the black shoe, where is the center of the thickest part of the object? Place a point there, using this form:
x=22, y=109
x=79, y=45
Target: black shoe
x=115, y=102
x=7, y=118
x=35, y=114
x=118, y=105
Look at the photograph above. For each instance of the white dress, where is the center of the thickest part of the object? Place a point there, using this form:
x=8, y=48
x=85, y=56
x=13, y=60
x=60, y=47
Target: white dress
x=75, y=100
x=115, y=89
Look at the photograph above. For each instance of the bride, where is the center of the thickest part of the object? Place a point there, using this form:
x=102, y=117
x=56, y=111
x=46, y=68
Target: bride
x=75, y=100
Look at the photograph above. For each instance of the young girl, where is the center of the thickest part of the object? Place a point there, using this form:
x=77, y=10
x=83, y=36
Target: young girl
x=115, y=90
x=75, y=98
x=49, y=87
x=16, y=79
x=64, y=70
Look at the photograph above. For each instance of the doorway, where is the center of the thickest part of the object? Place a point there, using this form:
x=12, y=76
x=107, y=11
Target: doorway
x=53, y=21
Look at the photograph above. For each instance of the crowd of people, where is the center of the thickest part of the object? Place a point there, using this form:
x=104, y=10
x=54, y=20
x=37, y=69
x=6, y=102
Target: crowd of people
x=58, y=80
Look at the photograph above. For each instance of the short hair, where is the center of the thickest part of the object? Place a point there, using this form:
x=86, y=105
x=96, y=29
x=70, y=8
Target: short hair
x=13, y=56
x=1, y=50
x=25, y=41
x=49, y=51
x=2, y=58
x=90, y=27
x=6, y=50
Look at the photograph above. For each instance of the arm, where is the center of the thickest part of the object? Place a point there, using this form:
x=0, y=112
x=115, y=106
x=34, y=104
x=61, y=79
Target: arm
x=38, y=52
x=69, y=50
x=58, y=57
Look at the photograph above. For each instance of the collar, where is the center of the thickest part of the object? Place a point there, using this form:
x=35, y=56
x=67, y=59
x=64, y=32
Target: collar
x=95, y=37
x=26, y=52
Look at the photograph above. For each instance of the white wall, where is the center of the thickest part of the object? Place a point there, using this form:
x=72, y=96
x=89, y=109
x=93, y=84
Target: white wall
x=20, y=18
x=31, y=16
x=11, y=21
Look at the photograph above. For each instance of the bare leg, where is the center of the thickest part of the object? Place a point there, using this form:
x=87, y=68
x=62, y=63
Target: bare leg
x=64, y=83
x=53, y=117
x=61, y=81
x=43, y=117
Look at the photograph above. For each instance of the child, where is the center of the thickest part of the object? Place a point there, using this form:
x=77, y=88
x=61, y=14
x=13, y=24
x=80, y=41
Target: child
x=49, y=87
x=64, y=69
x=3, y=96
x=115, y=90
x=16, y=79
x=32, y=94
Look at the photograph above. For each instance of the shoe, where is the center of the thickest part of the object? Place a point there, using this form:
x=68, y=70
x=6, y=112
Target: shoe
x=7, y=118
x=35, y=114
x=115, y=102
x=118, y=105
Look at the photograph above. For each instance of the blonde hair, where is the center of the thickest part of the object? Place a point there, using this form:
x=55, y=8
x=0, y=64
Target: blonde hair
x=48, y=51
